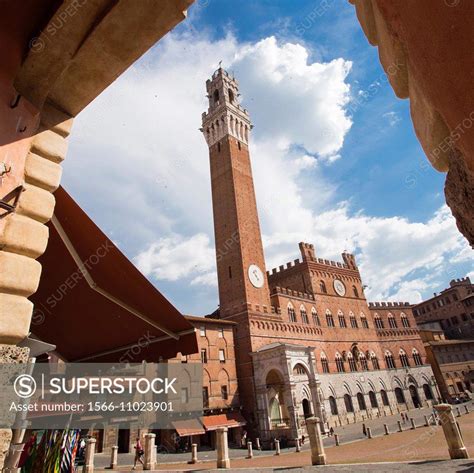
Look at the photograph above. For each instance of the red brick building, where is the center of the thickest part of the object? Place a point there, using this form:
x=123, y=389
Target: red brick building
x=307, y=342
x=453, y=308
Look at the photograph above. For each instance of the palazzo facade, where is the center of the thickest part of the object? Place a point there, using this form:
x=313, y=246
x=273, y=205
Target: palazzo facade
x=306, y=340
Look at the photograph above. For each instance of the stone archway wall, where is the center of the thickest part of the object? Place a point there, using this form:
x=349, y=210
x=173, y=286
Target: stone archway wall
x=428, y=58
x=56, y=58
x=79, y=51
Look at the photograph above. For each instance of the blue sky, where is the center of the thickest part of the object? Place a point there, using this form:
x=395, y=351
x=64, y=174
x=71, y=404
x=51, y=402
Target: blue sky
x=333, y=164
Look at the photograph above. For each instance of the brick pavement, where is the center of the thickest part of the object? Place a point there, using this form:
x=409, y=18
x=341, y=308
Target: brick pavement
x=426, y=444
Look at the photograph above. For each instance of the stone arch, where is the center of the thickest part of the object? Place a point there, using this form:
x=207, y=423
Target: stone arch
x=347, y=388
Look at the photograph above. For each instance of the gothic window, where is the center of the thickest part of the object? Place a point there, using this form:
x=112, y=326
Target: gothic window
x=361, y=402
x=340, y=364
x=348, y=403
x=405, y=321
x=231, y=96
x=329, y=319
x=389, y=361
x=363, y=320
x=333, y=406
x=392, y=323
x=324, y=363
x=378, y=321
x=352, y=362
x=403, y=358
x=363, y=362
x=383, y=395
x=355, y=291
x=291, y=313
x=203, y=355
x=304, y=315
x=399, y=396
x=427, y=391
x=373, y=400
x=375, y=361
x=417, y=357
x=353, y=320
x=322, y=287
x=315, y=316
x=216, y=97
x=342, y=320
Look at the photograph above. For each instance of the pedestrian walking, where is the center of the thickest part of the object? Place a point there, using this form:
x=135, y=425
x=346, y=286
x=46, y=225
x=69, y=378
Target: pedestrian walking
x=139, y=452
x=331, y=432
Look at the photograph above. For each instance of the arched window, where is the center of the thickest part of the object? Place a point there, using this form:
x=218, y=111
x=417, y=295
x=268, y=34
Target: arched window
x=315, y=316
x=333, y=406
x=355, y=291
x=373, y=400
x=428, y=392
x=231, y=96
x=299, y=370
x=340, y=363
x=375, y=361
x=353, y=320
x=291, y=313
x=363, y=362
x=403, y=358
x=392, y=323
x=363, y=320
x=400, y=396
x=324, y=363
x=304, y=315
x=405, y=321
x=322, y=287
x=416, y=357
x=329, y=318
x=389, y=361
x=352, y=362
x=361, y=402
x=378, y=321
x=216, y=97
x=383, y=395
x=348, y=403
x=342, y=319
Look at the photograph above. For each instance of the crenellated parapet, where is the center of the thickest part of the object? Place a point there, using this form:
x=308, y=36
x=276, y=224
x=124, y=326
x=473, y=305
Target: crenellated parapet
x=290, y=293
x=386, y=305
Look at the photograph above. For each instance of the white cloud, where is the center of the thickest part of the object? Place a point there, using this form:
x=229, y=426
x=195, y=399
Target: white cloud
x=392, y=118
x=175, y=258
x=154, y=168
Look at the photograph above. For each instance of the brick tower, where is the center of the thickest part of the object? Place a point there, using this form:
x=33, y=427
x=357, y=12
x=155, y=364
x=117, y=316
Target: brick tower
x=240, y=261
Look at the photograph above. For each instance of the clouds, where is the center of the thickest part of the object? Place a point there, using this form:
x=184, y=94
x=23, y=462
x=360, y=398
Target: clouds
x=174, y=258
x=148, y=166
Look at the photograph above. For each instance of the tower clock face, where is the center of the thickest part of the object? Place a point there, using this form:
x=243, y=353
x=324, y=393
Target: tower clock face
x=339, y=287
x=256, y=276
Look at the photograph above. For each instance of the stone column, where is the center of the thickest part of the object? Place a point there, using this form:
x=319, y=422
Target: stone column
x=223, y=460
x=150, y=452
x=456, y=446
x=277, y=447
x=114, y=458
x=249, y=450
x=34, y=160
x=318, y=457
x=89, y=456
x=194, y=453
